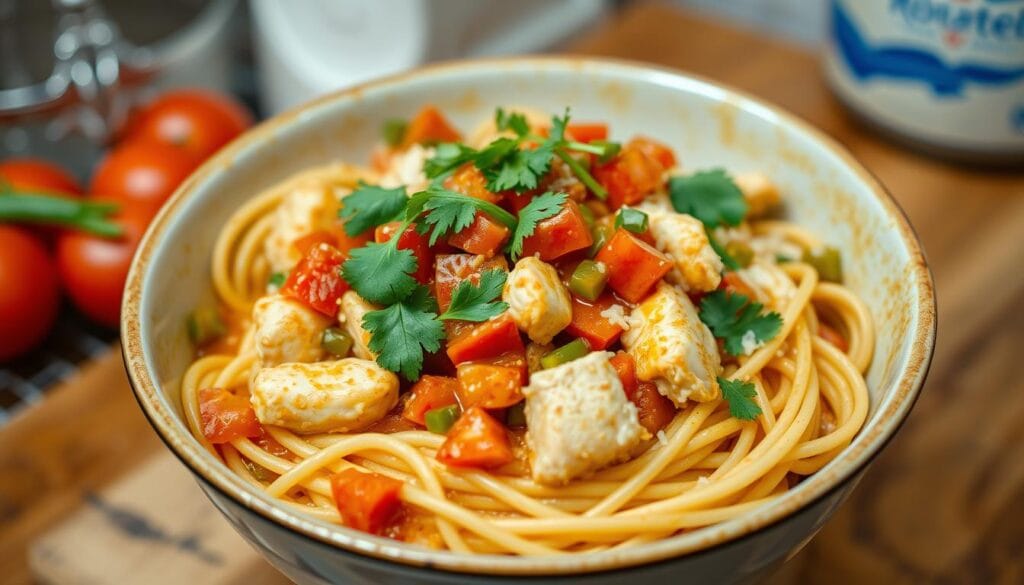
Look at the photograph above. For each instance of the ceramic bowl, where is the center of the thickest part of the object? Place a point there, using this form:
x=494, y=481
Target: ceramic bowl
x=824, y=188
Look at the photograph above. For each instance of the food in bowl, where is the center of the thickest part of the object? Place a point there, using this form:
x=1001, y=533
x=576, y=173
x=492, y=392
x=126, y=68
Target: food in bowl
x=532, y=340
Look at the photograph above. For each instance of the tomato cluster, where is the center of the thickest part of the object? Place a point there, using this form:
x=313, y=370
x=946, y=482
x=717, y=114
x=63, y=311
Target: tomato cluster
x=163, y=142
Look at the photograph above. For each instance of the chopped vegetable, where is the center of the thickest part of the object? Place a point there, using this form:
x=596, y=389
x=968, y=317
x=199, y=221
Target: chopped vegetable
x=444, y=212
x=589, y=323
x=575, y=349
x=654, y=411
x=728, y=261
x=560, y=234
x=475, y=301
x=740, y=396
x=382, y=273
x=488, y=386
x=440, y=420
x=831, y=335
x=484, y=236
x=452, y=269
x=468, y=180
x=336, y=341
x=625, y=367
x=205, y=325
x=87, y=216
x=226, y=417
x=366, y=501
x=735, y=284
x=588, y=280
x=741, y=252
x=476, y=440
x=827, y=262
x=632, y=220
x=634, y=267
x=429, y=393
x=587, y=132
x=316, y=280
x=732, y=317
x=710, y=196
x=369, y=206
x=635, y=172
x=429, y=126
x=393, y=131
x=538, y=209
x=413, y=241
x=582, y=174
x=277, y=279
x=402, y=332
x=515, y=416
x=588, y=216
x=602, y=231
x=487, y=340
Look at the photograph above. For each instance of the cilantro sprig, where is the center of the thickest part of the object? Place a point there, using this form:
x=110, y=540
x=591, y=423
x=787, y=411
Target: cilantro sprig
x=731, y=316
x=369, y=206
x=710, y=196
x=444, y=211
x=740, y=396
x=538, y=209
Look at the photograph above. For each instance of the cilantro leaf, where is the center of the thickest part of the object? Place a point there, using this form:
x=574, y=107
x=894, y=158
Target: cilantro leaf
x=732, y=316
x=402, y=332
x=370, y=206
x=441, y=211
x=538, y=209
x=513, y=121
x=520, y=170
x=710, y=196
x=495, y=153
x=447, y=157
x=476, y=302
x=740, y=396
x=381, y=273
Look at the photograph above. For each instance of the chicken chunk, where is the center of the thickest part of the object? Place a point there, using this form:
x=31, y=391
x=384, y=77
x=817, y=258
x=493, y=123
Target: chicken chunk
x=406, y=168
x=697, y=266
x=770, y=284
x=353, y=309
x=344, y=395
x=307, y=209
x=287, y=331
x=579, y=419
x=759, y=191
x=538, y=301
x=673, y=348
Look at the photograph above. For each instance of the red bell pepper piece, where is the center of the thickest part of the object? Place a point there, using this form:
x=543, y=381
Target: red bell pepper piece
x=560, y=234
x=468, y=180
x=451, y=269
x=428, y=393
x=588, y=323
x=654, y=410
x=429, y=126
x=625, y=367
x=476, y=440
x=226, y=417
x=316, y=280
x=410, y=240
x=366, y=501
x=582, y=132
x=634, y=267
x=486, y=340
x=635, y=172
x=484, y=236
x=488, y=386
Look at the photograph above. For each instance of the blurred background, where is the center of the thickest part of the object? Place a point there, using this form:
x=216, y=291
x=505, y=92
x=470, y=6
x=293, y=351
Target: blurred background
x=120, y=99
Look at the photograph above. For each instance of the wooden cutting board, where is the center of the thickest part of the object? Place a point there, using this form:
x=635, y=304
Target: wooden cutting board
x=82, y=475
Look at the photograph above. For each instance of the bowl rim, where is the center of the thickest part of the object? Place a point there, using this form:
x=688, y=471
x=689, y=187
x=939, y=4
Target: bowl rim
x=850, y=462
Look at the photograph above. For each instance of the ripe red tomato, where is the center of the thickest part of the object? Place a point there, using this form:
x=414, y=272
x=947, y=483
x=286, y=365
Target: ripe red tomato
x=29, y=296
x=94, y=269
x=36, y=175
x=143, y=173
x=195, y=120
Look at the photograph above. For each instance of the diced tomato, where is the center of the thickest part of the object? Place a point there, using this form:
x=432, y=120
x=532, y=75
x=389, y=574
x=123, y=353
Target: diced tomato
x=488, y=386
x=451, y=269
x=366, y=501
x=582, y=132
x=511, y=359
x=484, y=236
x=635, y=172
x=269, y=444
x=486, y=340
x=316, y=238
x=410, y=240
x=625, y=367
x=732, y=282
x=634, y=267
x=515, y=202
x=588, y=323
x=428, y=393
x=560, y=234
x=429, y=126
x=476, y=440
x=829, y=334
x=654, y=410
x=226, y=417
x=468, y=180
x=316, y=280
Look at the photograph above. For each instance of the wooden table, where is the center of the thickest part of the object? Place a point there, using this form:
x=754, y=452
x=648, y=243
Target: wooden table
x=945, y=501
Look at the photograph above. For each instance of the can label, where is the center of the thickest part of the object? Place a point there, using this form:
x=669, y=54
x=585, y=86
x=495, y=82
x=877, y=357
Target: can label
x=949, y=72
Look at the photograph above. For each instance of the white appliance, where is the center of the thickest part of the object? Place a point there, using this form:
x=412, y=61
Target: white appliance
x=305, y=48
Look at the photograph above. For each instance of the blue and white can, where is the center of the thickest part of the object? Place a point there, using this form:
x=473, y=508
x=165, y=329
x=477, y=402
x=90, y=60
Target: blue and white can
x=947, y=74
